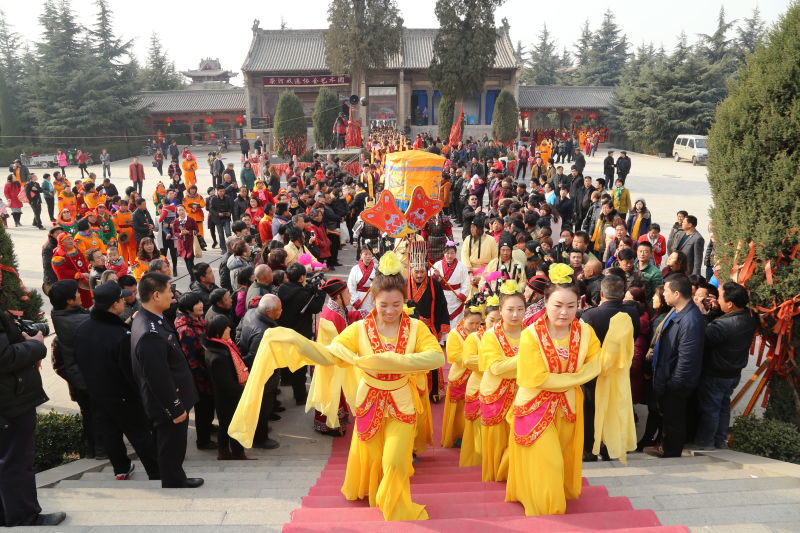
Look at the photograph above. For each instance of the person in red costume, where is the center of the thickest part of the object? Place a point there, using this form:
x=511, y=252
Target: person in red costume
x=69, y=263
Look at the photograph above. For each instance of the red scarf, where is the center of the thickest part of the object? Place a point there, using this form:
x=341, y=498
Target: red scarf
x=448, y=270
x=241, y=369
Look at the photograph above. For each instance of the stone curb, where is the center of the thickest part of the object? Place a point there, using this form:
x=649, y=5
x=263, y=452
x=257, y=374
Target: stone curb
x=753, y=462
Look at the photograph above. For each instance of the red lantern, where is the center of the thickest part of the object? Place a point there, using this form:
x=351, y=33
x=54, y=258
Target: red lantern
x=209, y=121
x=592, y=116
x=524, y=114
x=240, y=120
x=213, y=135
x=578, y=117
x=169, y=121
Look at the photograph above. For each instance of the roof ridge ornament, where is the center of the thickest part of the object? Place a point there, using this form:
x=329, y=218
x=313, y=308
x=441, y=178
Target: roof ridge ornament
x=256, y=25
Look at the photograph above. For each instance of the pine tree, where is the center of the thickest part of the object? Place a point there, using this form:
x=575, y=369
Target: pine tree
x=506, y=117
x=59, y=92
x=464, y=48
x=160, y=74
x=13, y=295
x=750, y=34
x=583, y=46
x=326, y=109
x=362, y=34
x=11, y=76
x=607, y=54
x=290, y=125
x=543, y=62
x=752, y=170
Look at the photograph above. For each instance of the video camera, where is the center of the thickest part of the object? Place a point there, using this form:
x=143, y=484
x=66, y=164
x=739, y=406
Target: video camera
x=31, y=328
x=315, y=280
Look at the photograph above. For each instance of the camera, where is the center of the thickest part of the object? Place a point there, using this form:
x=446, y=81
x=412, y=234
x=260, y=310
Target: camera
x=315, y=280
x=31, y=328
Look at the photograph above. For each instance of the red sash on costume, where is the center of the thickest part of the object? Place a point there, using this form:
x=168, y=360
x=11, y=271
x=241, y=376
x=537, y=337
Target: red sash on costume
x=533, y=418
x=447, y=273
x=362, y=285
x=371, y=414
x=495, y=406
x=472, y=406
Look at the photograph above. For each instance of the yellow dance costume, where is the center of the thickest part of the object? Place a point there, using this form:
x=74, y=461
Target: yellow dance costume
x=453, y=417
x=546, y=445
x=471, y=441
x=378, y=385
x=497, y=359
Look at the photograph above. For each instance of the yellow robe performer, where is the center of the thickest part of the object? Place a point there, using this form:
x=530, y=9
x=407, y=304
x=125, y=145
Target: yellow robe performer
x=498, y=362
x=471, y=441
x=546, y=445
x=386, y=402
x=453, y=417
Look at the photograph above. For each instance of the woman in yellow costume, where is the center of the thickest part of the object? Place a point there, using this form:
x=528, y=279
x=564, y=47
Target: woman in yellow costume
x=380, y=356
x=471, y=441
x=558, y=354
x=497, y=359
x=453, y=417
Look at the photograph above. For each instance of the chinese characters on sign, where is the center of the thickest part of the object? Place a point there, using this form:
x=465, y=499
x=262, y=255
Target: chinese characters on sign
x=306, y=80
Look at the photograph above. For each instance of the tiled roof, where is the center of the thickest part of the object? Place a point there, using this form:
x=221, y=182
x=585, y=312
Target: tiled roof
x=217, y=72
x=187, y=101
x=565, y=96
x=304, y=51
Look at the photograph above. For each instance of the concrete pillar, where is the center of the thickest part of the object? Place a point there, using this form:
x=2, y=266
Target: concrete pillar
x=431, y=109
x=402, y=104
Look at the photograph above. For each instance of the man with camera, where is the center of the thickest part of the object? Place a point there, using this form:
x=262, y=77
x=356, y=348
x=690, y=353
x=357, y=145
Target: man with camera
x=21, y=392
x=300, y=301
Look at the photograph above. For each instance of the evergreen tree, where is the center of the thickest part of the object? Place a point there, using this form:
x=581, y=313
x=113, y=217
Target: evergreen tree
x=160, y=74
x=446, y=112
x=290, y=125
x=506, y=117
x=326, y=109
x=607, y=54
x=13, y=294
x=11, y=76
x=59, y=90
x=752, y=170
x=583, y=46
x=362, y=34
x=750, y=34
x=543, y=62
x=464, y=48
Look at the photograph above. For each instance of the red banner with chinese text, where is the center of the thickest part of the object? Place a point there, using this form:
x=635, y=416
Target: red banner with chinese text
x=294, y=81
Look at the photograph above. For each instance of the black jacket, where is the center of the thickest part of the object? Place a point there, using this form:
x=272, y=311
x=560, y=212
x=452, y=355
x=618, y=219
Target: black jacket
x=219, y=209
x=240, y=205
x=203, y=292
x=160, y=369
x=250, y=331
x=580, y=163
x=678, y=360
x=623, y=165
x=600, y=317
x=608, y=168
x=294, y=298
x=103, y=350
x=727, y=344
x=225, y=272
x=65, y=323
x=20, y=381
x=227, y=390
x=49, y=277
x=140, y=220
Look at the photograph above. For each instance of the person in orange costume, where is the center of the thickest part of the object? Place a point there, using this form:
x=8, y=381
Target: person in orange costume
x=189, y=167
x=87, y=238
x=194, y=204
x=68, y=200
x=69, y=263
x=60, y=183
x=91, y=196
x=123, y=221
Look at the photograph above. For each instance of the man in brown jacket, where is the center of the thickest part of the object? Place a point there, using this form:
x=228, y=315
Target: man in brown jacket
x=136, y=173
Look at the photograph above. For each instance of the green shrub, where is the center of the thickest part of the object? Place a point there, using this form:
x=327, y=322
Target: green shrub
x=446, y=112
x=782, y=404
x=767, y=438
x=290, y=125
x=326, y=109
x=506, y=117
x=307, y=157
x=58, y=439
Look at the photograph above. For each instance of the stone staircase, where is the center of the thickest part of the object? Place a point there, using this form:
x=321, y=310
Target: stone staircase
x=724, y=491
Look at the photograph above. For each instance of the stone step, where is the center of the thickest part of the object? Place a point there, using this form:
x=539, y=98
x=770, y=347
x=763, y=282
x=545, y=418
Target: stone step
x=225, y=474
x=643, y=460
x=741, y=514
x=263, y=528
x=164, y=520
x=123, y=491
x=658, y=487
x=285, y=501
x=238, y=466
x=705, y=500
x=273, y=479
x=682, y=479
x=658, y=469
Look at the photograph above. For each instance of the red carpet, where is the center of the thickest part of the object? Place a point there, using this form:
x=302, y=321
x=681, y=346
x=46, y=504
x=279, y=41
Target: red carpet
x=458, y=501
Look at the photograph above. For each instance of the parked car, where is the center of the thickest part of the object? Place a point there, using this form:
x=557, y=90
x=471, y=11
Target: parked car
x=691, y=147
x=38, y=159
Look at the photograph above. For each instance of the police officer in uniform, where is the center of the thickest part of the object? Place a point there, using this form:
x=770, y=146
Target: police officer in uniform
x=165, y=381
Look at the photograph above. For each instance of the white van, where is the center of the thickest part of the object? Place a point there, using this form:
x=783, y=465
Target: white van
x=691, y=147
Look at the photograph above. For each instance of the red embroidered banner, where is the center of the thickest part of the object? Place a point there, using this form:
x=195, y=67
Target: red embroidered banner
x=325, y=79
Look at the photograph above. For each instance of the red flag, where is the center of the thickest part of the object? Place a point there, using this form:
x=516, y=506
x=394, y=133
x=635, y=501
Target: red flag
x=353, y=138
x=455, y=129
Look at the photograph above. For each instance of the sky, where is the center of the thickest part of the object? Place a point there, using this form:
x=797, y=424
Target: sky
x=191, y=30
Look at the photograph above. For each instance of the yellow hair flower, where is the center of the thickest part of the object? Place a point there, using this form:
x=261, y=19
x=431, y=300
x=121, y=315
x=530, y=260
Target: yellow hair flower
x=390, y=264
x=560, y=273
x=476, y=309
x=509, y=286
x=493, y=301
x=409, y=310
